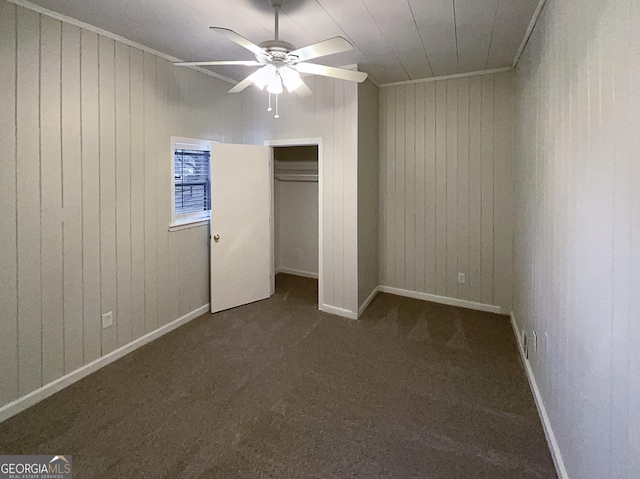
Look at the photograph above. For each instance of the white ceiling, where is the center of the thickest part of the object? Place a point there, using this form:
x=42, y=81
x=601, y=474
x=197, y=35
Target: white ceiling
x=395, y=40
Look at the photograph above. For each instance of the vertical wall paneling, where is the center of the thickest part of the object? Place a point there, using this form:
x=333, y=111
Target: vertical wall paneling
x=389, y=227
x=137, y=179
x=200, y=262
x=474, y=276
x=420, y=235
x=323, y=95
x=72, y=246
x=576, y=168
x=182, y=98
x=51, y=191
x=123, y=193
x=173, y=108
x=400, y=185
x=382, y=187
x=150, y=200
x=462, y=187
x=163, y=197
x=8, y=244
x=451, y=189
x=350, y=198
x=90, y=101
x=174, y=267
x=503, y=189
x=189, y=269
x=455, y=167
x=338, y=265
x=368, y=190
x=183, y=239
x=430, y=187
x=488, y=170
x=410, y=187
x=441, y=189
x=108, y=263
x=28, y=202
x=202, y=247
x=633, y=334
x=623, y=235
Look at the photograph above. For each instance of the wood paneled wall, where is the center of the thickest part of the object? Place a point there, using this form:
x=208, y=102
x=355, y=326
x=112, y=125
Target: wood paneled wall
x=85, y=124
x=85, y=127
x=577, y=234
x=332, y=114
x=368, y=190
x=446, y=152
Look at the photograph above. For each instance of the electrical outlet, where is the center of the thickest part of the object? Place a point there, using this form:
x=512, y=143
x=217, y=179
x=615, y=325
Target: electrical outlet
x=462, y=278
x=107, y=320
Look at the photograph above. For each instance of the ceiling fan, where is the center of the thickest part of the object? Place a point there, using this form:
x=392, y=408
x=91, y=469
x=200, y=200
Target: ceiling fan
x=281, y=63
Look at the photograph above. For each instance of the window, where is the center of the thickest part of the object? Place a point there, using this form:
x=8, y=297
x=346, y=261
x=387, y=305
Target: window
x=190, y=184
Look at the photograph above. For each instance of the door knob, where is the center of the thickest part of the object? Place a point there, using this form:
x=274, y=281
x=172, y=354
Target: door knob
x=216, y=238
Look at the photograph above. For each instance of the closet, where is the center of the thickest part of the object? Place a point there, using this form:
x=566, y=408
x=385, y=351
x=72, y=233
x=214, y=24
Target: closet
x=296, y=210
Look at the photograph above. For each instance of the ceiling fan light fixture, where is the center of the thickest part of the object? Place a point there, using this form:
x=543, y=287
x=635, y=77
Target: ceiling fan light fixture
x=275, y=85
x=265, y=76
x=290, y=78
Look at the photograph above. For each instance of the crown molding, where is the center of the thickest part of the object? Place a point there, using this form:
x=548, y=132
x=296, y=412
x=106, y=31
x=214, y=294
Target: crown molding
x=448, y=77
x=529, y=32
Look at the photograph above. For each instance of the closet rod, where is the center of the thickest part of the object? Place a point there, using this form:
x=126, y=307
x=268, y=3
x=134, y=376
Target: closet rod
x=297, y=177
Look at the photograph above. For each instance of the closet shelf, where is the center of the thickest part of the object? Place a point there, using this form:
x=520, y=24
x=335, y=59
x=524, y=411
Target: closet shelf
x=296, y=177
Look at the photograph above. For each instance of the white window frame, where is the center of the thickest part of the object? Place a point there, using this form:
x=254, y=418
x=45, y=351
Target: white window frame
x=189, y=220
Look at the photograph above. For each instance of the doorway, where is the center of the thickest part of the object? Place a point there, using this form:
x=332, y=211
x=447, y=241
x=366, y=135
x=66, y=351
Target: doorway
x=296, y=209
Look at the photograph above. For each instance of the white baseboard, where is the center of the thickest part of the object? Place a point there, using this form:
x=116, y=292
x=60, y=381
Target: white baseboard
x=542, y=410
x=345, y=313
x=295, y=272
x=441, y=299
x=50, y=389
x=367, y=301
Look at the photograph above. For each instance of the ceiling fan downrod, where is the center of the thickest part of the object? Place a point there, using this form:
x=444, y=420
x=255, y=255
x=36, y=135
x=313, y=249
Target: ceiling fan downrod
x=277, y=5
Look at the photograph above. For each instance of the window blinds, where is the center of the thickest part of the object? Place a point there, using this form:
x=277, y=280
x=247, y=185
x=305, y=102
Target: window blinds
x=191, y=178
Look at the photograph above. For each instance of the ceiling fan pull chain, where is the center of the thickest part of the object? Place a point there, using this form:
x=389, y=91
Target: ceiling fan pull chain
x=269, y=109
x=277, y=112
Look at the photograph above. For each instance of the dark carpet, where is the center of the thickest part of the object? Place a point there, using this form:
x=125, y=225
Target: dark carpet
x=279, y=389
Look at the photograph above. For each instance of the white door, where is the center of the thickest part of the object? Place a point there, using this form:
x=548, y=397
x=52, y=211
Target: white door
x=240, y=225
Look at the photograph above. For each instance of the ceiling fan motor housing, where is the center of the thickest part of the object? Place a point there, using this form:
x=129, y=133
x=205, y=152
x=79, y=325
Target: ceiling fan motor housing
x=274, y=46
x=277, y=50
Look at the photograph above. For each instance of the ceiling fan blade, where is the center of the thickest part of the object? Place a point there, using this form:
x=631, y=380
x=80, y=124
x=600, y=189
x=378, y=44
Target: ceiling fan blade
x=321, y=49
x=303, y=90
x=323, y=70
x=246, y=83
x=240, y=40
x=248, y=63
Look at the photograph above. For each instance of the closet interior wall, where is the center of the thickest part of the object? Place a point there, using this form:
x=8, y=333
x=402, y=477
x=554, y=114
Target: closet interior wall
x=296, y=210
